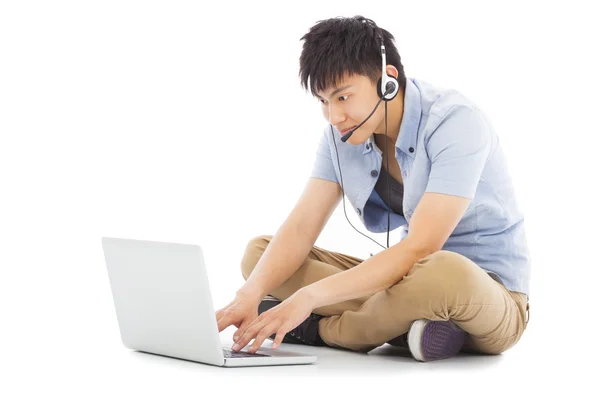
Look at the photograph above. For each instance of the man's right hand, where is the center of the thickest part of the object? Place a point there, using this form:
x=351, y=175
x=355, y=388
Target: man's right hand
x=241, y=312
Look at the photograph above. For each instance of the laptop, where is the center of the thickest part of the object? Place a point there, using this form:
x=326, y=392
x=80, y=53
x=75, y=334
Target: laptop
x=164, y=307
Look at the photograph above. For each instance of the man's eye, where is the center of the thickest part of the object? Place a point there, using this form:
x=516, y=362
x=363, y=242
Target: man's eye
x=324, y=101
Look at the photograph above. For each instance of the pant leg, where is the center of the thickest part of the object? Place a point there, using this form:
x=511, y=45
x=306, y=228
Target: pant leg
x=319, y=264
x=443, y=286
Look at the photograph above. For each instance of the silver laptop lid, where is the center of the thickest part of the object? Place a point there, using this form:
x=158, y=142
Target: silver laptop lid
x=162, y=299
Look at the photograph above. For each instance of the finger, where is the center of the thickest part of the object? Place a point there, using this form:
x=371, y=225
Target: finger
x=262, y=335
x=221, y=311
x=246, y=338
x=250, y=333
x=242, y=329
x=247, y=323
x=224, y=321
x=222, y=324
x=279, y=337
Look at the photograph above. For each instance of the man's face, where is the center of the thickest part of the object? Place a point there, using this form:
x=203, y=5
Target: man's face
x=349, y=104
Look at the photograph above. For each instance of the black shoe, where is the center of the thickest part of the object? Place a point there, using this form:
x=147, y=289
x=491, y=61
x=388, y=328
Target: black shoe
x=305, y=333
x=400, y=341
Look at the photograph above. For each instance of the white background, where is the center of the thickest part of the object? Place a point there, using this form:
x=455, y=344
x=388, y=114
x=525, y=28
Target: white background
x=186, y=122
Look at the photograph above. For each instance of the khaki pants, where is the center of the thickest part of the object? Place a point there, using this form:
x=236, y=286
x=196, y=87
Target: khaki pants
x=442, y=286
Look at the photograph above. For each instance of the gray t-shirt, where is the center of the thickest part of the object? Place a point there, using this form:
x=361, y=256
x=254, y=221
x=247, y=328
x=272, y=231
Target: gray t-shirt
x=396, y=191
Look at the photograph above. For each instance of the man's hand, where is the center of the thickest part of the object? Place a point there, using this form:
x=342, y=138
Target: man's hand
x=241, y=312
x=280, y=320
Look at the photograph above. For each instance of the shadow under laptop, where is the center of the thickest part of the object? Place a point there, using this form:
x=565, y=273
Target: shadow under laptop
x=385, y=359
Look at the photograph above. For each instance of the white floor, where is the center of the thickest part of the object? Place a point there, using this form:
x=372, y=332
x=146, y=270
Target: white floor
x=76, y=366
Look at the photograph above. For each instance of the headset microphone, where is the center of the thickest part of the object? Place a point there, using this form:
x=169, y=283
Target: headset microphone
x=390, y=88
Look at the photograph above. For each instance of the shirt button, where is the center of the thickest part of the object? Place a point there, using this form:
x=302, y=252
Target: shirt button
x=368, y=146
x=358, y=211
x=411, y=149
x=374, y=173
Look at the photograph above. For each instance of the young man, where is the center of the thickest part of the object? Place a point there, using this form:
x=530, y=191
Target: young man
x=458, y=280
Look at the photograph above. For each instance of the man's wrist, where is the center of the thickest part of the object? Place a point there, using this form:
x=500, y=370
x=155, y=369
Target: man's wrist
x=310, y=296
x=252, y=292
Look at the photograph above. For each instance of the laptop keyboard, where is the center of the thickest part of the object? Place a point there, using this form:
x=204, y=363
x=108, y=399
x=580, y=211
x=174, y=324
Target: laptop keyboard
x=241, y=354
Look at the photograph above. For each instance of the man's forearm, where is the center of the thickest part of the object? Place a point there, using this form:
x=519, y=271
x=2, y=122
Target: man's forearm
x=377, y=273
x=285, y=253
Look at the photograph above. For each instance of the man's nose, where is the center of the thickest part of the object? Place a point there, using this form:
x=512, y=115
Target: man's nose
x=336, y=116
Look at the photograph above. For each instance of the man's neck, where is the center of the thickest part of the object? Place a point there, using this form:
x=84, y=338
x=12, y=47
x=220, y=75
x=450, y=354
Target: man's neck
x=394, y=121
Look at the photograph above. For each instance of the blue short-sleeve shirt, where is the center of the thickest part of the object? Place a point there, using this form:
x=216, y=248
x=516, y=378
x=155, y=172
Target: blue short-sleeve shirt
x=446, y=145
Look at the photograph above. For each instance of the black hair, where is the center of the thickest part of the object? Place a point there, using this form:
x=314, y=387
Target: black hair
x=338, y=46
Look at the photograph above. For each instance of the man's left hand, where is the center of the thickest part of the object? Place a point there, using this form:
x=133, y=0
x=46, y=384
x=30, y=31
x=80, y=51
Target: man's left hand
x=280, y=320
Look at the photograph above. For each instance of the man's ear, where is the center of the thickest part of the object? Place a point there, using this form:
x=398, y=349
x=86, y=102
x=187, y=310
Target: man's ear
x=391, y=71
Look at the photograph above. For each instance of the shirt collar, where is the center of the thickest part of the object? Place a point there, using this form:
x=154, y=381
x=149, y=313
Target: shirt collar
x=409, y=127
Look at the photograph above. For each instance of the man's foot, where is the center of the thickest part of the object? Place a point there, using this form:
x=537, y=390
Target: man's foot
x=400, y=341
x=305, y=333
x=435, y=340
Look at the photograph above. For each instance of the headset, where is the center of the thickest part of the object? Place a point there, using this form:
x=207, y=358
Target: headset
x=387, y=89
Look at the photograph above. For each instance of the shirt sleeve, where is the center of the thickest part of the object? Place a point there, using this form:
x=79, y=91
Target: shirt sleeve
x=323, y=164
x=458, y=149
